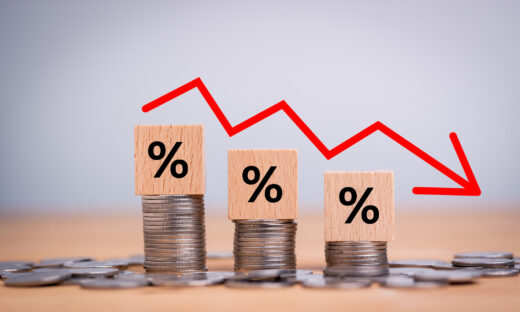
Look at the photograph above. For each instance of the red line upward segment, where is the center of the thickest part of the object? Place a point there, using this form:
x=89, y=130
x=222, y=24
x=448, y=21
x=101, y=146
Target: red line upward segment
x=469, y=186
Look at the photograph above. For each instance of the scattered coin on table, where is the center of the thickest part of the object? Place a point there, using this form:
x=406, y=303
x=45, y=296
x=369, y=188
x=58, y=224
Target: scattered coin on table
x=408, y=274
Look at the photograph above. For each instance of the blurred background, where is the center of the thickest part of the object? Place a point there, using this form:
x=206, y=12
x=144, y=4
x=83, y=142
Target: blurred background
x=75, y=74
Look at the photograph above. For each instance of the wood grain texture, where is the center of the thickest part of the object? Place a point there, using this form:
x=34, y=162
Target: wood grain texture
x=191, y=151
x=382, y=197
x=285, y=175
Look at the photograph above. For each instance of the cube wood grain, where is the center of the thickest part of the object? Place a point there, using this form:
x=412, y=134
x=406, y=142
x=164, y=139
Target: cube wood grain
x=381, y=196
x=191, y=150
x=285, y=175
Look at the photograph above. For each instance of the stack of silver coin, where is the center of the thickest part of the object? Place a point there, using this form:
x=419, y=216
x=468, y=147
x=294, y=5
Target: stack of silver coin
x=351, y=258
x=174, y=233
x=264, y=244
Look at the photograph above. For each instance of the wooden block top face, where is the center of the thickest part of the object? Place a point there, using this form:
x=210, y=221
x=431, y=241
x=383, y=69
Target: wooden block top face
x=160, y=141
x=264, y=170
x=337, y=212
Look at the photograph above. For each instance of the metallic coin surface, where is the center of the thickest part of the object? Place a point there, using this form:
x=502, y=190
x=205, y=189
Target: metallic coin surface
x=82, y=272
x=484, y=262
x=323, y=282
x=490, y=254
x=31, y=279
x=119, y=264
x=113, y=283
x=499, y=272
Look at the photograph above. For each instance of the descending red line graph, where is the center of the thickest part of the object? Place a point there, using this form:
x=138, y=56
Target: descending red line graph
x=468, y=187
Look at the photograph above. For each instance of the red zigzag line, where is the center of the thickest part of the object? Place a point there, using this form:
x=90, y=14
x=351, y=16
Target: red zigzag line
x=330, y=153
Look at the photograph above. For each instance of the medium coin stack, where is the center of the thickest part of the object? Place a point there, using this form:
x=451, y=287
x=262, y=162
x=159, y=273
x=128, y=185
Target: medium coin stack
x=174, y=233
x=351, y=258
x=264, y=244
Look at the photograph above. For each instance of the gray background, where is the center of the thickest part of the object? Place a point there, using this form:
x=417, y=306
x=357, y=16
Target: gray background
x=74, y=75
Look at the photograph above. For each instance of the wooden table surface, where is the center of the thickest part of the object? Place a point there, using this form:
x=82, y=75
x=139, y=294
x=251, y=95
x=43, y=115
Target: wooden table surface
x=423, y=234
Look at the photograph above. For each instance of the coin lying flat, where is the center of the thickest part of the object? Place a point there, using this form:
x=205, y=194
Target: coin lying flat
x=30, y=279
x=443, y=265
x=452, y=277
x=333, y=283
x=484, y=262
x=119, y=264
x=14, y=266
x=394, y=281
x=60, y=262
x=114, y=283
x=491, y=254
x=257, y=284
x=16, y=263
x=82, y=272
x=499, y=272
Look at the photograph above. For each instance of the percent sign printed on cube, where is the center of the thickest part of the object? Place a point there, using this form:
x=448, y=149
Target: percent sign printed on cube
x=262, y=184
x=169, y=160
x=359, y=206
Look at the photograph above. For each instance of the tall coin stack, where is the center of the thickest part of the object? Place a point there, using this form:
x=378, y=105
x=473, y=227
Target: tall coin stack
x=174, y=233
x=264, y=244
x=356, y=258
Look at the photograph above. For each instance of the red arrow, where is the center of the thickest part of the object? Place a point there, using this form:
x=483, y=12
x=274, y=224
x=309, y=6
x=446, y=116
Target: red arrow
x=469, y=187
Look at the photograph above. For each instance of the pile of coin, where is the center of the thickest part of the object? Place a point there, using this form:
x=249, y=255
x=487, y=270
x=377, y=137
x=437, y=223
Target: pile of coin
x=264, y=244
x=350, y=258
x=464, y=269
x=174, y=233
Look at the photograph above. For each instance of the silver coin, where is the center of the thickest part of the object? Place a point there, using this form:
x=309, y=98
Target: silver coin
x=517, y=260
x=82, y=272
x=443, y=265
x=14, y=266
x=98, y=264
x=4, y=264
x=408, y=282
x=265, y=285
x=124, y=274
x=335, y=283
x=59, y=262
x=30, y=279
x=484, y=262
x=452, y=277
x=498, y=272
x=114, y=283
x=491, y=254
x=192, y=282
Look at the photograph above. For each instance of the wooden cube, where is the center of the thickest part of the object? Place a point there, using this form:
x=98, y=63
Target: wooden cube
x=154, y=144
x=341, y=221
x=253, y=194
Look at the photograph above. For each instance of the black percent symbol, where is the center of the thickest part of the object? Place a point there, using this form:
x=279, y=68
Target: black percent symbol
x=359, y=205
x=168, y=160
x=261, y=185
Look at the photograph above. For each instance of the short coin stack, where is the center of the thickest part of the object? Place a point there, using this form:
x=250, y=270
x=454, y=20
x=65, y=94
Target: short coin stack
x=350, y=258
x=264, y=244
x=174, y=233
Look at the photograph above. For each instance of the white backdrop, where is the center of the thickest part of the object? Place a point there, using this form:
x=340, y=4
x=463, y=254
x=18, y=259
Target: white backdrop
x=74, y=75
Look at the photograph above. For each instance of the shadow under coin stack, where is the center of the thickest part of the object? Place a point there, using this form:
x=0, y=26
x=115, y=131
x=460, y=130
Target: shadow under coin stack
x=264, y=244
x=174, y=233
x=357, y=259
